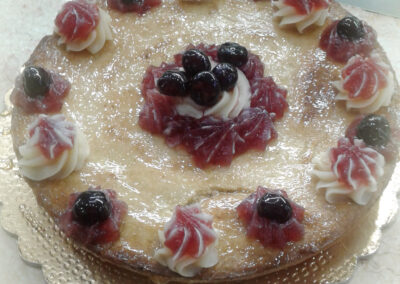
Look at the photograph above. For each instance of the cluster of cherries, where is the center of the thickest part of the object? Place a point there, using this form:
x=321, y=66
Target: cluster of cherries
x=204, y=85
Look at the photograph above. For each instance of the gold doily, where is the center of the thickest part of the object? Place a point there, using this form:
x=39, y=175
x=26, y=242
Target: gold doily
x=41, y=242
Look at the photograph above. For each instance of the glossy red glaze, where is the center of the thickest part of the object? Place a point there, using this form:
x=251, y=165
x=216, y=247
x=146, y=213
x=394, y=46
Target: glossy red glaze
x=51, y=102
x=189, y=232
x=363, y=77
x=341, y=50
x=212, y=141
x=99, y=233
x=138, y=6
x=76, y=20
x=209, y=140
x=305, y=7
x=254, y=68
x=390, y=151
x=353, y=163
x=269, y=96
x=270, y=233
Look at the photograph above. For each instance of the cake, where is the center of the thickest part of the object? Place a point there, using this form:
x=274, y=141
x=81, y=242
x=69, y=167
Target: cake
x=151, y=184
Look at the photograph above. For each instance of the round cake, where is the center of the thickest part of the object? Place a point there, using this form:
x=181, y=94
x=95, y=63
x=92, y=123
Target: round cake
x=150, y=182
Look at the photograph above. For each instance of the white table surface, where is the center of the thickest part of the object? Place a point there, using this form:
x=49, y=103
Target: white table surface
x=388, y=7
x=24, y=22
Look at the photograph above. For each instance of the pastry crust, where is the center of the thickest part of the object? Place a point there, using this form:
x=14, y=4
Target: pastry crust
x=152, y=178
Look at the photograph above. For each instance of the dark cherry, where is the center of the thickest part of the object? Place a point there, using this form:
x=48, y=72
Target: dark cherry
x=226, y=74
x=133, y=2
x=36, y=81
x=374, y=130
x=232, y=53
x=172, y=83
x=274, y=207
x=205, y=89
x=350, y=28
x=195, y=61
x=91, y=207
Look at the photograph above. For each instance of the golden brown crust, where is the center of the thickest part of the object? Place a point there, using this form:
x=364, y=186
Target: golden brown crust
x=152, y=178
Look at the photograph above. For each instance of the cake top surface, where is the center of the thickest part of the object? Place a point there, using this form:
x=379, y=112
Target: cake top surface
x=152, y=178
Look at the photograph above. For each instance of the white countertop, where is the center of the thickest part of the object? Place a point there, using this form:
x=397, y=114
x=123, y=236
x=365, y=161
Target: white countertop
x=388, y=7
x=24, y=22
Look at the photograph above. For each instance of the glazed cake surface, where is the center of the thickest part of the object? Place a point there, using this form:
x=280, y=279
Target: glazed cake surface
x=152, y=178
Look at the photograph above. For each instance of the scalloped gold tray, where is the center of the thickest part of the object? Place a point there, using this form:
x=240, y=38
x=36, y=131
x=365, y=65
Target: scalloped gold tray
x=41, y=242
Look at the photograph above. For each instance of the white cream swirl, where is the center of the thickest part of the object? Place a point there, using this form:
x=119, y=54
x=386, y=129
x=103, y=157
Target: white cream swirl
x=198, y=228
x=289, y=16
x=229, y=106
x=336, y=191
x=97, y=38
x=36, y=166
x=381, y=97
x=187, y=267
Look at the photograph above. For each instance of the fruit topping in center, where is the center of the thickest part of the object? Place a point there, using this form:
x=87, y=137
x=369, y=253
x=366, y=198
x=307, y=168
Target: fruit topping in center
x=271, y=217
x=374, y=130
x=227, y=75
x=205, y=89
x=274, y=207
x=36, y=81
x=232, y=53
x=350, y=28
x=194, y=61
x=172, y=83
x=214, y=138
x=91, y=207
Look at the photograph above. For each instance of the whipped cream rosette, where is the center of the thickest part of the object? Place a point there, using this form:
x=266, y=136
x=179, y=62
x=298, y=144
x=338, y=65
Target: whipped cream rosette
x=366, y=84
x=54, y=150
x=301, y=13
x=350, y=171
x=82, y=25
x=189, y=241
